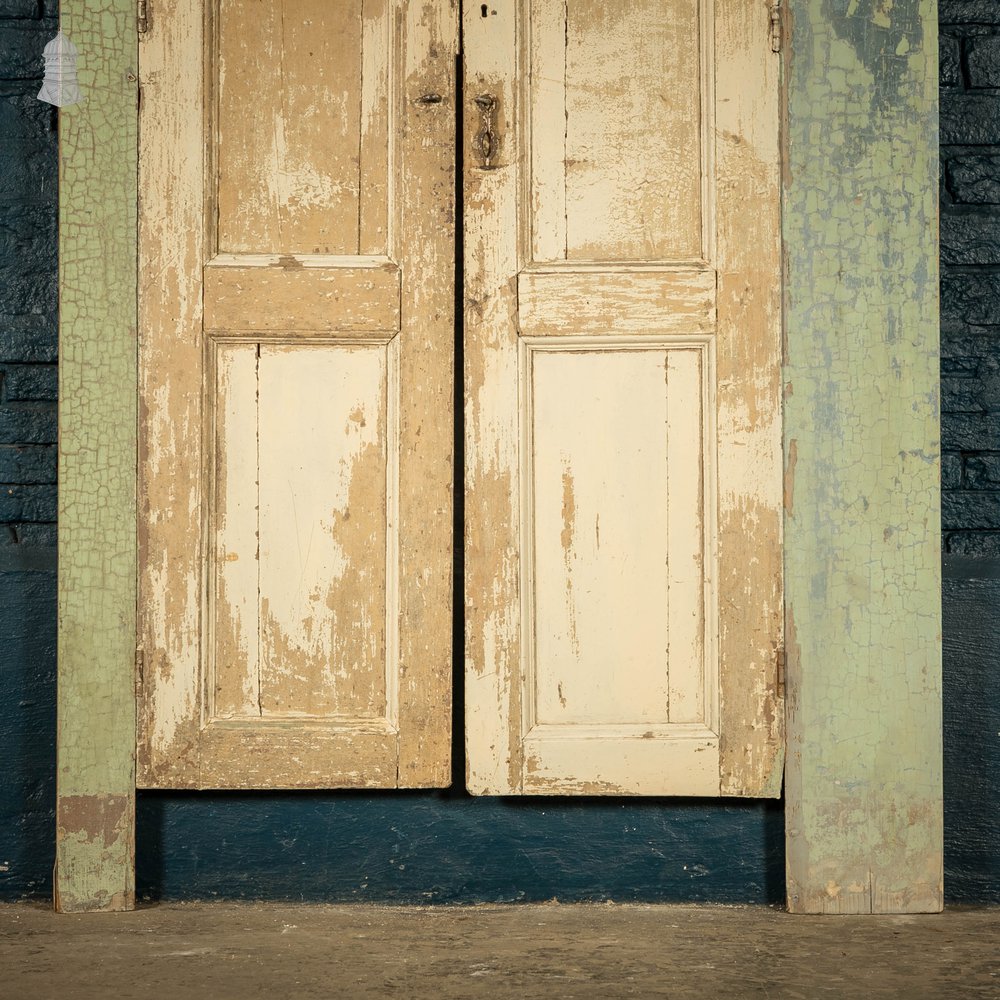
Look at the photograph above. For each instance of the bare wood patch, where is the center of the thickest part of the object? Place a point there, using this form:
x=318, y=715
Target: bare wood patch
x=308, y=299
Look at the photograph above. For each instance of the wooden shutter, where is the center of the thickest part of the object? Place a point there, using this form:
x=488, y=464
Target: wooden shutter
x=296, y=378
x=622, y=385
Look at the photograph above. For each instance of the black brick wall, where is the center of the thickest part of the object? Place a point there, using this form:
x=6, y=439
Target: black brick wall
x=28, y=349
x=970, y=275
x=28, y=247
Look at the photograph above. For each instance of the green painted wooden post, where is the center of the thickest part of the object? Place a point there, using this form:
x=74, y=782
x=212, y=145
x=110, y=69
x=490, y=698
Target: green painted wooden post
x=95, y=806
x=862, y=556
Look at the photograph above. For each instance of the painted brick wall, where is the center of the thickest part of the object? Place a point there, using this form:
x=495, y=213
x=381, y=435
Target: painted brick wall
x=970, y=275
x=970, y=433
x=28, y=347
x=28, y=232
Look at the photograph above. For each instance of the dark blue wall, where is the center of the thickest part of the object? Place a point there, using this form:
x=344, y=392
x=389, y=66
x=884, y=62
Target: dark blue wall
x=970, y=275
x=446, y=846
x=27, y=455
x=970, y=431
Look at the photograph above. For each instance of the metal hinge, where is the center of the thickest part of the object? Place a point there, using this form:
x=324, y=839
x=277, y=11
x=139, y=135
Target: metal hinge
x=142, y=16
x=140, y=666
x=780, y=658
x=776, y=26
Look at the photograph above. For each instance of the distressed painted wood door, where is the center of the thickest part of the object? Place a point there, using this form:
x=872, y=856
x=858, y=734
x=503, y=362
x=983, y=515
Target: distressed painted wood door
x=296, y=384
x=622, y=385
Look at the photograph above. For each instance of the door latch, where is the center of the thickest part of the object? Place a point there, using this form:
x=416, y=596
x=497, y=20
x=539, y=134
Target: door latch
x=486, y=143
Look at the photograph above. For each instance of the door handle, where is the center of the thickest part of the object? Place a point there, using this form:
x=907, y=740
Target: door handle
x=486, y=143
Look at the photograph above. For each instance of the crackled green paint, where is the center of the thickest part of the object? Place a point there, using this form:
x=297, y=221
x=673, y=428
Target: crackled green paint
x=862, y=557
x=97, y=400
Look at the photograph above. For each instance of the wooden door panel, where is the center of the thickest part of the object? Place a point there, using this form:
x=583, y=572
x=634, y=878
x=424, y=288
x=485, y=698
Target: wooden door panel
x=614, y=530
x=622, y=334
x=290, y=104
x=303, y=500
x=615, y=481
x=296, y=276
x=326, y=490
x=614, y=128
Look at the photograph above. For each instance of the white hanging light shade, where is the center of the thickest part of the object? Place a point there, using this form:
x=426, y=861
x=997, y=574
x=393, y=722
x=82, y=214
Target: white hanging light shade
x=60, y=86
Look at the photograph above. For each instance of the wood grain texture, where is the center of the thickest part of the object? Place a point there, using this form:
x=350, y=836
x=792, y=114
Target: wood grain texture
x=615, y=628
x=173, y=417
x=234, y=601
x=95, y=804
x=278, y=298
x=546, y=126
x=632, y=153
x=615, y=158
x=322, y=524
x=495, y=757
x=572, y=303
x=649, y=761
x=692, y=673
x=299, y=613
x=427, y=379
x=613, y=481
x=289, y=120
x=597, y=421
x=864, y=814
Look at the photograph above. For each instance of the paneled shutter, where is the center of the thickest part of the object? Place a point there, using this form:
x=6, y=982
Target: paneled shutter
x=296, y=381
x=622, y=386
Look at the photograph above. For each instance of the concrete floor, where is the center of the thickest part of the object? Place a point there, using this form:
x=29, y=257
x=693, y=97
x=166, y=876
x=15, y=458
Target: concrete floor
x=216, y=951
